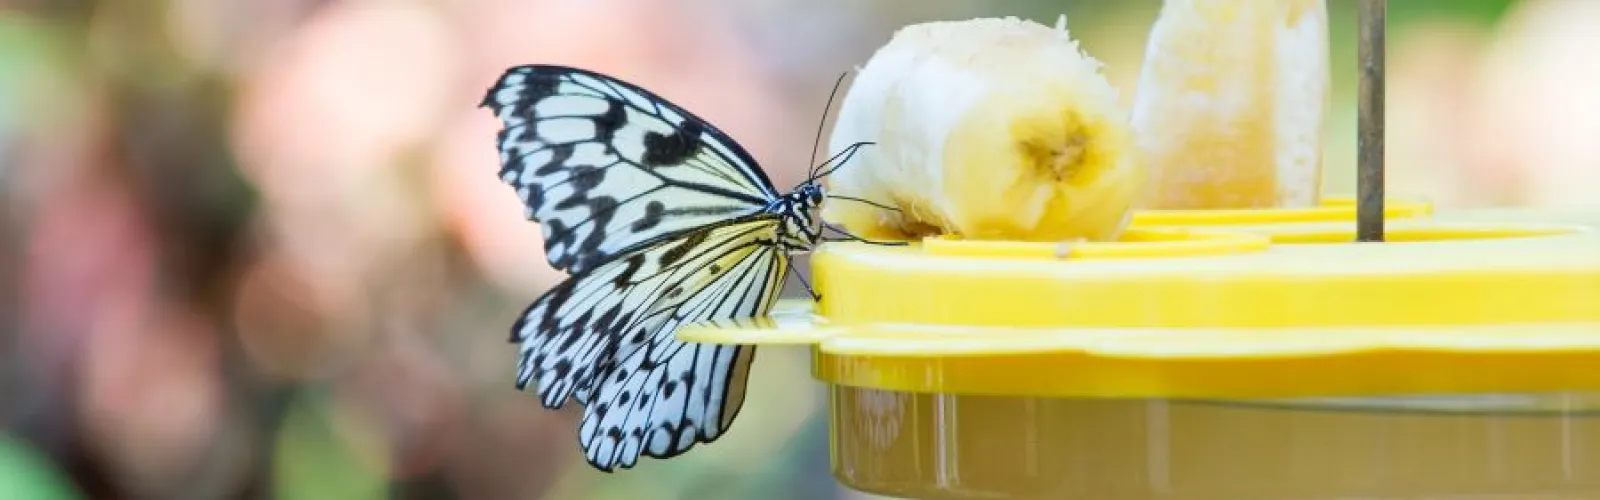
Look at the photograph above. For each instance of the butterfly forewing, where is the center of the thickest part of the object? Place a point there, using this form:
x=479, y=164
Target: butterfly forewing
x=604, y=165
x=605, y=338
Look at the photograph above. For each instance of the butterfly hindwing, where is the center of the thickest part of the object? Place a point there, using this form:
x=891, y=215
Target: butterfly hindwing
x=605, y=339
x=604, y=165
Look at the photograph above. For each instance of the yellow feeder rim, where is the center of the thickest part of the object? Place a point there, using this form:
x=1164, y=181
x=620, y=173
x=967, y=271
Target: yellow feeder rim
x=1331, y=209
x=1457, y=306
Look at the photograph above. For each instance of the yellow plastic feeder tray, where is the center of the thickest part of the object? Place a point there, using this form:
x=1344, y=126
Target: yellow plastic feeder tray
x=1254, y=354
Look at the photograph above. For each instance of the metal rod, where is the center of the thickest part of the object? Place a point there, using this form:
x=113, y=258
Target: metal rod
x=1369, y=133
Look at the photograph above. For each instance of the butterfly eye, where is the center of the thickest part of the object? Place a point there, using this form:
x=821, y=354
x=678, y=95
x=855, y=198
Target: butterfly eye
x=816, y=197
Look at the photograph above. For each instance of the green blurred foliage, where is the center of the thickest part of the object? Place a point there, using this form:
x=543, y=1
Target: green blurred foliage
x=325, y=453
x=30, y=61
x=24, y=474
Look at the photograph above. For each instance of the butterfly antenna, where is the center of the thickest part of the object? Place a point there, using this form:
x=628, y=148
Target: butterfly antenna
x=859, y=200
x=848, y=150
x=853, y=237
x=815, y=143
x=847, y=153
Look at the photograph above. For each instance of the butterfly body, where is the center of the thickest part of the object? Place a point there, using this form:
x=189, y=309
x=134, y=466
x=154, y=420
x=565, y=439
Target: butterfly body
x=661, y=220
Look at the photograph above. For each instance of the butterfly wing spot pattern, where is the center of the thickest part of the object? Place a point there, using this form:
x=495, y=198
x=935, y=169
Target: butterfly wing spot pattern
x=655, y=394
x=661, y=220
x=592, y=157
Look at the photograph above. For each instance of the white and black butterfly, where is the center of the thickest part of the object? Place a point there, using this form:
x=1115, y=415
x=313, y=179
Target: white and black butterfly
x=661, y=220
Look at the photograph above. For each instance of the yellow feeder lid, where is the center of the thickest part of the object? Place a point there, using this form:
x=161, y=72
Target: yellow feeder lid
x=1333, y=209
x=1245, y=304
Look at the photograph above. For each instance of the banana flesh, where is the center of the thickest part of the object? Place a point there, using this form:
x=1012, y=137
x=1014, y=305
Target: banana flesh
x=1231, y=102
x=985, y=129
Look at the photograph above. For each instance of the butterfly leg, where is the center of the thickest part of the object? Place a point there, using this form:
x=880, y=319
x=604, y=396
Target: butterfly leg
x=814, y=296
x=852, y=237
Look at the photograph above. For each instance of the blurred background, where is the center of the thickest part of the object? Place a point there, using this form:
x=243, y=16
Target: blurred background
x=258, y=249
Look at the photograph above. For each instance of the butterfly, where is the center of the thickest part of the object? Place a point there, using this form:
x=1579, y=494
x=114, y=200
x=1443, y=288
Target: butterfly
x=660, y=220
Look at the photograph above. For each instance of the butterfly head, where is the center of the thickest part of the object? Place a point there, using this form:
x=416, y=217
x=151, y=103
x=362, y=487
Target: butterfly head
x=810, y=195
x=802, y=217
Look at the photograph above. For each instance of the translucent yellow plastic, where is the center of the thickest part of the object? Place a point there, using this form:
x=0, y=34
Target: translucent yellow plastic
x=1202, y=357
x=943, y=446
x=1171, y=312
